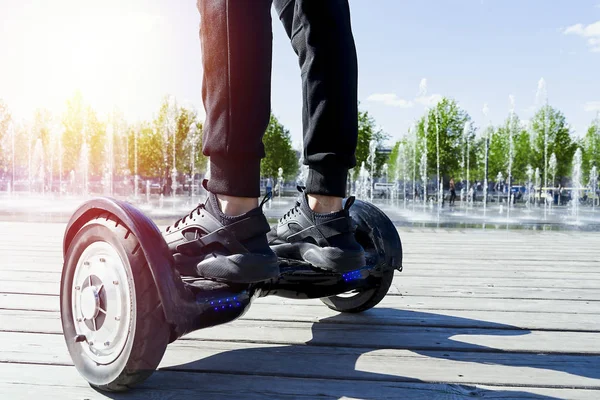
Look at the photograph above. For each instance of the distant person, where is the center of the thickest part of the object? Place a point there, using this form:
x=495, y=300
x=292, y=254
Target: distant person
x=452, y=192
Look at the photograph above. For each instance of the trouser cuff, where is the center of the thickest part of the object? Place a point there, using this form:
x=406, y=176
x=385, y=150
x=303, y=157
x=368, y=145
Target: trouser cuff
x=327, y=180
x=234, y=176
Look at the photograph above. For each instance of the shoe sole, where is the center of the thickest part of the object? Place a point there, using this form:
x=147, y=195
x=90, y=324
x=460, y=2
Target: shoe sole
x=332, y=259
x=240, y=268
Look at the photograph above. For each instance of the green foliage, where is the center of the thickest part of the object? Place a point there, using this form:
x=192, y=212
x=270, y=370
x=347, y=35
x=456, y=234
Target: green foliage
x=591, y=147
x=74, y=125
x=552, y=121
x=367, y=131
x=400, y=161
x=149, y=150
x=279, y=152
x=500, y=150
x=450, y=120
x=522, y=156
x=5, y=140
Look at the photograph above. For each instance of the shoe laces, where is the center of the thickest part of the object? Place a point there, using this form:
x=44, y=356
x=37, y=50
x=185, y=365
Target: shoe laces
x=290, y=212
x=185, y=217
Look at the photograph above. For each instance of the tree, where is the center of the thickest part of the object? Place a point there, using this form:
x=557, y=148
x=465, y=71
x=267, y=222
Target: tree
x=551, y=121
x=449, y=119
x=279, y=152
x=500, y=150
x=74, y=131
x=591, y=147
x=149, y=150
x=5, y=140
x=400, y=161
x=522, y=155
x=367, y=132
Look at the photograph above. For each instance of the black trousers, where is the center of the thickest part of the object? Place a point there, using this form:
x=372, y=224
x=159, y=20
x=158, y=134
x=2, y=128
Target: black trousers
x=236, y=39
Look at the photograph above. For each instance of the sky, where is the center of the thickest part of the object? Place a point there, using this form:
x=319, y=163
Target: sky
x=130, y=54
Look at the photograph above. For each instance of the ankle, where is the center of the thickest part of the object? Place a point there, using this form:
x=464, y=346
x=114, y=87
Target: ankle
x=324, y=204
x=234, y=206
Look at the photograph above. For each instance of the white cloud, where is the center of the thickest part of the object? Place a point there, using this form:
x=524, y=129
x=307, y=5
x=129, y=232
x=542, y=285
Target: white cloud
x=429, y=101
x=592, y=106
x=390, y=99
x=590, y=32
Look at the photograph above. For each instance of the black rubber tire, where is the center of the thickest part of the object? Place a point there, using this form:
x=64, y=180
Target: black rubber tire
x=148, y=331
x=361, y=301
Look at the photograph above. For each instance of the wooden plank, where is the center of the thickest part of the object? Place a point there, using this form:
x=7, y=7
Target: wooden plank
x=550, y=307
x=503, y=338
x=49, y=321
x=326, y=362
x=54, y=276
x=481, y=304
x=54, y=262
x=399, y=283
x=26, y=381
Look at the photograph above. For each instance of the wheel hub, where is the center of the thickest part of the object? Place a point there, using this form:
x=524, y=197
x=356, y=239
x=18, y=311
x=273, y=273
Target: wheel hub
x=90, y=302
x=102, y=301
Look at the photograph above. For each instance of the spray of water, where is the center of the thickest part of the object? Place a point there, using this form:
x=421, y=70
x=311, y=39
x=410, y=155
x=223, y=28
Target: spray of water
x=529, y=173
x=486, y=112
x=577, y=183
x=594, y=185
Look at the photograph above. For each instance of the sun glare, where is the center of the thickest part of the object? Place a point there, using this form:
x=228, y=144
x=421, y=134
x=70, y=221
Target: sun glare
x=69, y=45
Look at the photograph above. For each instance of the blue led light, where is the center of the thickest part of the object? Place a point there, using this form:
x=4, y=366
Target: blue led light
x=352, y=275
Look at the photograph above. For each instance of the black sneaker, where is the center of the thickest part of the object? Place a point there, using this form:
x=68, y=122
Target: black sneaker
x=324, y=240
x=210, y=244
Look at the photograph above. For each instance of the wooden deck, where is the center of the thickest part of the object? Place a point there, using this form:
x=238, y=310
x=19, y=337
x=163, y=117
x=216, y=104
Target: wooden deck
x=492, y=314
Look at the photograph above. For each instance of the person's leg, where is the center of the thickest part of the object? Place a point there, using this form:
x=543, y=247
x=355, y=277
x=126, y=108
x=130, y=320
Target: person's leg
x=318, y=230
x=236, y=39
x=225, y=238
x=321, y=35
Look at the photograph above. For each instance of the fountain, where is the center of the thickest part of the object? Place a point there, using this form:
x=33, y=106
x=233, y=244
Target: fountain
x=486, y=136
x=193, y=139
x=466, y=132
x=84, y=168
x=552, y=169
x=424, y=177
x=511, y=151
x=401, y=162
x=279, y=186
x=371, y=162
x=362, y=186
x=424, y=158
x=577, y=183
x=437, y=147
x=109, y=160
x=59, y=134
x=529, y=173
x=148, y=191
x=414, y=150
x=37, y=168
x=594, y=185
x=11, y=129
x=136, y=175
x=499, y=182
x=302, y=171
x=542, y=96
x=537, y=187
